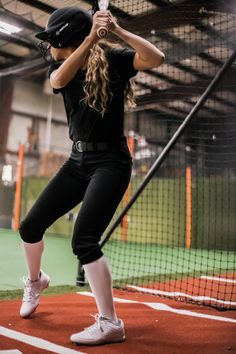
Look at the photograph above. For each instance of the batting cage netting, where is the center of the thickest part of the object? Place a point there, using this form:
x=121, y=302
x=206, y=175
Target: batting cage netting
x=178, y=238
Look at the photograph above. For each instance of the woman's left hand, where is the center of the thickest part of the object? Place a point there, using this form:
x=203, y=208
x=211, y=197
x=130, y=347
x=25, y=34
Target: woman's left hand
x=101, y=19
x=112, y=24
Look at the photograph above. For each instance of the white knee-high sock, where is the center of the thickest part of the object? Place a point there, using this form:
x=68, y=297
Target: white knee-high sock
x=98, y=274
x=33, y=254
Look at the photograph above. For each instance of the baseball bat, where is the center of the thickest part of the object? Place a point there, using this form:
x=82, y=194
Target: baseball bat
x=103, y=6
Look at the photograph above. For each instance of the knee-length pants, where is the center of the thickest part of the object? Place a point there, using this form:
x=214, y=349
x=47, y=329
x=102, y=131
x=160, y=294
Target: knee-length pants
x=99, y=179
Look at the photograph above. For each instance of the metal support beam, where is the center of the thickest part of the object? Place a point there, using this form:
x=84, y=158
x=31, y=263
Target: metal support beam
x=6, y=94
x=9, y=56
x=182, y=91
x=159, y=3
x=39, y=5
x=168, y=17
x=24, y=69
x=114, y=9
x=19, y=21
x=11, y=38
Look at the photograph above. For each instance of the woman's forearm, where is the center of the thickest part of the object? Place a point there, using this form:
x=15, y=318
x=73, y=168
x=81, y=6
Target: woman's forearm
x=66, y=72
x=148, y=56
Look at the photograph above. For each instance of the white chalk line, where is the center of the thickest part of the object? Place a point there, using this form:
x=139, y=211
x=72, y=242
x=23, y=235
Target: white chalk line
x=182, y=295
x=36, y=342
x=10, y=351
x=162, y=307
x=224, y=280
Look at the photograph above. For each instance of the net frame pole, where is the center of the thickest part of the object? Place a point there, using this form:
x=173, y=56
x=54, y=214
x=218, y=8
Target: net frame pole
x=188, y=211
x=219, y=75
x=17, y=202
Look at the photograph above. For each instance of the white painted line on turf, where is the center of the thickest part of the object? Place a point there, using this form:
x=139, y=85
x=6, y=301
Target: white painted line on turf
x=11, y=351
x=225, y=280
x=37, y=342
x=117, y=299
x=182, y=295
x=163, y=307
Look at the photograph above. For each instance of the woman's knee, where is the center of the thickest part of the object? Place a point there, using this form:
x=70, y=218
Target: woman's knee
x=29, y=232
x=87, y=249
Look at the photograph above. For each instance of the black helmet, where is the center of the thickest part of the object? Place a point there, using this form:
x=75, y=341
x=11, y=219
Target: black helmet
x=66, y=26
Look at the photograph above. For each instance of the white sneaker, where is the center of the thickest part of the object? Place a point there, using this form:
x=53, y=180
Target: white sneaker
x=103, y=331
x=32, y=291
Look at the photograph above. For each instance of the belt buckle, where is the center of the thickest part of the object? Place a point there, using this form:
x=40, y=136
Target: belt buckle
x=79, y=146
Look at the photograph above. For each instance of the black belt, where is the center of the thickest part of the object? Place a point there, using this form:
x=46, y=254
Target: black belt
x=83, y=146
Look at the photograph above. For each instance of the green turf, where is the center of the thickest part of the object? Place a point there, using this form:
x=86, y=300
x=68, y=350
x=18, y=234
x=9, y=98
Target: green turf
x=128, y=260
x=52, y=290
x=58, y=260
x=133, y=261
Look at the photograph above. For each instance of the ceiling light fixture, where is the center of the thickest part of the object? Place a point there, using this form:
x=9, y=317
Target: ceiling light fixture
x=8, y=29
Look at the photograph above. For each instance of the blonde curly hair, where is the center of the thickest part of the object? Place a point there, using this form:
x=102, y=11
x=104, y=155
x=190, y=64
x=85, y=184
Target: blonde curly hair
x=96, y=85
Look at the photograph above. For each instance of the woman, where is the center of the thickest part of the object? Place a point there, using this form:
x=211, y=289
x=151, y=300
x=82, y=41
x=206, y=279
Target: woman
x=93, y=78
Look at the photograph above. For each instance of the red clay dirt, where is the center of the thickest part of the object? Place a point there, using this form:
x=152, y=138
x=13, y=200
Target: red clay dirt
x=148, y=330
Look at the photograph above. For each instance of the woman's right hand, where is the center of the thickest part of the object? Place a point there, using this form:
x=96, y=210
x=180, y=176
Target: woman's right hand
x=101, y=19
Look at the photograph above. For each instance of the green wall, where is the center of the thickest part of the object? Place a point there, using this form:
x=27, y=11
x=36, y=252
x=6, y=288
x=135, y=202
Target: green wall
x=158, y=216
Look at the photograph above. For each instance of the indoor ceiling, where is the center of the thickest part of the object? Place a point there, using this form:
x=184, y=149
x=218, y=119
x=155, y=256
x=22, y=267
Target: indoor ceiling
x=189, y=32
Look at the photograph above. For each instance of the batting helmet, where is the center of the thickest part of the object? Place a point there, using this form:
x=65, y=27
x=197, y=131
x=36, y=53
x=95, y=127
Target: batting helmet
x=66, y=26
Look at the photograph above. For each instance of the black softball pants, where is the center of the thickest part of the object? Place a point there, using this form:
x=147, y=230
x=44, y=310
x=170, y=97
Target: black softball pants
x=99, y=179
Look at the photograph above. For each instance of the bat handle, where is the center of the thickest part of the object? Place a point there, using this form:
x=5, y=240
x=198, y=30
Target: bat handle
x=102, y=32
x=103, y=6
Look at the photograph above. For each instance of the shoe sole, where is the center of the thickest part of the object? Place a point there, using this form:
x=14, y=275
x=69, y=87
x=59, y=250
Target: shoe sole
x=101, y=343
x=31, y=313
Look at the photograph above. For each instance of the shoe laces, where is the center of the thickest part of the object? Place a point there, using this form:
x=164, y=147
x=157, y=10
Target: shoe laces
x=29, y=289
x=96, y=324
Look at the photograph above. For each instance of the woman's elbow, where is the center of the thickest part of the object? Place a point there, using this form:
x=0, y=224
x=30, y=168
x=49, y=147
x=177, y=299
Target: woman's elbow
x=156, y=61
x=57, y=84
x=161, y=59
x=56, y=81
x=152, y=62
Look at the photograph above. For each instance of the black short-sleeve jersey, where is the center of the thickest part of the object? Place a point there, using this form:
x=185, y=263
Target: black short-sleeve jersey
x=84, y=122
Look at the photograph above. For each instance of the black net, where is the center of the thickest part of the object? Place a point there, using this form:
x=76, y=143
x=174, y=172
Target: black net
x=178, y=239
